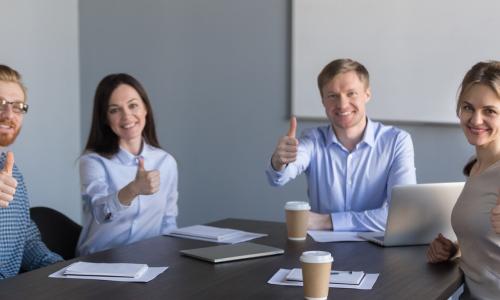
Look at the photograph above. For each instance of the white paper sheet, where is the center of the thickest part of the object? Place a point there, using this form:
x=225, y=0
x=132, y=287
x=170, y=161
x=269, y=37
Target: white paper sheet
x=323, y=236
x=81, y=268
x=215, y=234
x=336, y=276
x=279, y=278
x=209, y=232
x=149, y=275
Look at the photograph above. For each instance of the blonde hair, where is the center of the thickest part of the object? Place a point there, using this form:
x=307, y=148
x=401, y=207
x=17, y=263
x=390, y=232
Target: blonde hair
x=10, y=75
x=340, y=66
x=486, y=73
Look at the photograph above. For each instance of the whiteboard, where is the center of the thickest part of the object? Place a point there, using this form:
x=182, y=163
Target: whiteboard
x=416, y=52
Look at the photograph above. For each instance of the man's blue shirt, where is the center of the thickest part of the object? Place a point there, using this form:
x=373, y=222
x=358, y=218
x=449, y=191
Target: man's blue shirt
x=354, y=187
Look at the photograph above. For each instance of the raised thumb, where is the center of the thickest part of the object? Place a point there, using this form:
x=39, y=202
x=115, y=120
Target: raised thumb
x=293, y=127
x=140, y=166
x=9, y=163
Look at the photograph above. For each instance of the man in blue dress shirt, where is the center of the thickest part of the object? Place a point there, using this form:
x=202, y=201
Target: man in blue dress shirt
x=20, y=242
x=352, y=164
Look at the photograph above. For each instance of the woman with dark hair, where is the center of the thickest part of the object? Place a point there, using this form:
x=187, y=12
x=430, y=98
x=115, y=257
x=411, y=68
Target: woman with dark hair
x=476, y=216
x=128, y=183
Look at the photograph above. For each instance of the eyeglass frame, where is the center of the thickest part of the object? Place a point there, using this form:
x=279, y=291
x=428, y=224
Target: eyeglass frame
x=17, y=106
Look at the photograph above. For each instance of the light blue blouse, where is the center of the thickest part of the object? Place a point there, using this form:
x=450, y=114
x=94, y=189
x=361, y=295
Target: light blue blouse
x=106, y=222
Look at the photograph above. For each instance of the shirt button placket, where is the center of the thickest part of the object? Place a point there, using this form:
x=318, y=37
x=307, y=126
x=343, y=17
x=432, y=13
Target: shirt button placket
x=348, y=179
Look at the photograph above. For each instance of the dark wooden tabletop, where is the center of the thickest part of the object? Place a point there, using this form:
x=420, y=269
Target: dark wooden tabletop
x=404, y=272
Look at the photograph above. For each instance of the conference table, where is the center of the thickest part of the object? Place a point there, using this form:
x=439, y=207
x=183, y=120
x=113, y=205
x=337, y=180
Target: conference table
x=404, y=272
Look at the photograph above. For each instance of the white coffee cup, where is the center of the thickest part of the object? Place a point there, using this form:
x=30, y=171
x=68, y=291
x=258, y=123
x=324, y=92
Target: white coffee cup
x=316, y=267
x=297, y=216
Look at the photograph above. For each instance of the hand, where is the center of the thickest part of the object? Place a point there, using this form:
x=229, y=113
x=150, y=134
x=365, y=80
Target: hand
x=286, y=150
x=8, y=183
x=441, y=249
x=495, y=216
x=319, y=221
x=146, y=182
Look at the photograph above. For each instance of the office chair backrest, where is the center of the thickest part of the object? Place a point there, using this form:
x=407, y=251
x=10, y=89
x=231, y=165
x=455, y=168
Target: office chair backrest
x=59, y=232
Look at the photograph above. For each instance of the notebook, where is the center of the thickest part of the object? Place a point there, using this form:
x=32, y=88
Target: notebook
x=417, y=213
x=215, y=234
x=106, y=269
x=223, y=253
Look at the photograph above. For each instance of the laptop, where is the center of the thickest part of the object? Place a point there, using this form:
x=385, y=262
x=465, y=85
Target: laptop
x=223, y=253
x=417, y=213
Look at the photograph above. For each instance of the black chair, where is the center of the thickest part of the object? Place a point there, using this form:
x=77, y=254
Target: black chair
x=59, y=232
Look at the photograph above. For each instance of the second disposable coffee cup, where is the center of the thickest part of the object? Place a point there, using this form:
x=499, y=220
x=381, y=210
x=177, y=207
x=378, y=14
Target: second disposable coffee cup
x=316, y=267
x=297, y=216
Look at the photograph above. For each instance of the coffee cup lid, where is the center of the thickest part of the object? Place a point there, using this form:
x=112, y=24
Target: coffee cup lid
x=316, y=257
x=297, y=205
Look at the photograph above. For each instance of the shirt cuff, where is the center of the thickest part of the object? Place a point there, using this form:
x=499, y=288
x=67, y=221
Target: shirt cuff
x=341, y=222
x=116, y=205
x=271, y=170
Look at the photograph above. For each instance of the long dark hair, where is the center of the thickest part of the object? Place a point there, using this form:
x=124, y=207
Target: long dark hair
x=102, y=139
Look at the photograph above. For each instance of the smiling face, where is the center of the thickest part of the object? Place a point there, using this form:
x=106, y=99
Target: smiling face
x=10, y=121
x=479, y=114
x=344, y=98
x=127, y=116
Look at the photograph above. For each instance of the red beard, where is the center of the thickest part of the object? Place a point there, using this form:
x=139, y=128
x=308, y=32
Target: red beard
x=7, y=139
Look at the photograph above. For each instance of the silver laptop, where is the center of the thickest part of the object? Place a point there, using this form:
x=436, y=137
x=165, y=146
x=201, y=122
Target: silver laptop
x=223, y=253
x=417, y=213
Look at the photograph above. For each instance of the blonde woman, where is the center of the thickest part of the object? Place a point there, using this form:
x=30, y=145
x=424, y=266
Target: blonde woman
x=476, y=217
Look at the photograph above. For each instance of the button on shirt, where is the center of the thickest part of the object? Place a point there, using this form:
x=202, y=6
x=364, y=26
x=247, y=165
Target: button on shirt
x=108, y=223
x=354, y=187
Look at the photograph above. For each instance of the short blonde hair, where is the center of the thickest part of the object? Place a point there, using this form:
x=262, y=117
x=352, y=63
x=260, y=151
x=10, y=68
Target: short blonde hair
x=340, y=66
x=10, y=75
x=486, y=73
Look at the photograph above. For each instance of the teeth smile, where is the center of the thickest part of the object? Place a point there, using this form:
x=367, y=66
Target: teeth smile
x=344, y=113
x=127, y=126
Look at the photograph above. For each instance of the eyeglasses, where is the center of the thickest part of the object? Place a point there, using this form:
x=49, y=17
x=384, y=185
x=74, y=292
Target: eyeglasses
x=17, y=107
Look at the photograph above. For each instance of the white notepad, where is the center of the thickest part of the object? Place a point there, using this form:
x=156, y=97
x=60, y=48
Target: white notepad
x=340, y=277
x=208, y=232
x=106, y=269
x=215, y=234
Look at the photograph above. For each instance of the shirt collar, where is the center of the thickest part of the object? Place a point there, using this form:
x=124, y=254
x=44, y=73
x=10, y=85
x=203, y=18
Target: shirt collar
x=368, y=136
x=128, y=158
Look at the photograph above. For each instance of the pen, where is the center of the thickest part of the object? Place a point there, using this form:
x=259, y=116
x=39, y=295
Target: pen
x=338, y=273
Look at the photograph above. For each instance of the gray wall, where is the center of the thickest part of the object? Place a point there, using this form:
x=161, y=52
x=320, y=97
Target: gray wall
x=218, y=75
x=40, y=40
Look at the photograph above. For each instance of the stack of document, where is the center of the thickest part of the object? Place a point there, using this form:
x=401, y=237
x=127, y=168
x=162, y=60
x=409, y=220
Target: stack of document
x=215, y=234
x=339, y=279
x=109, y=271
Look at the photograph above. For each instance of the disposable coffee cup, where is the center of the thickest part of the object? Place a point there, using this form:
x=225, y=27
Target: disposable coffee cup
x=297, y=214
x=316, y=267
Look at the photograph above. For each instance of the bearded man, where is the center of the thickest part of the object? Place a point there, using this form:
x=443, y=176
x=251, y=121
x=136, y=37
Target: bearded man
x=21, y=246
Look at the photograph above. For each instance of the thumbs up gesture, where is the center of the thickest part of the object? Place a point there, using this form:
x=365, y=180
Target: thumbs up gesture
x=146, y=182
x=286, y=150
x=495, y=216
x=8, y=183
